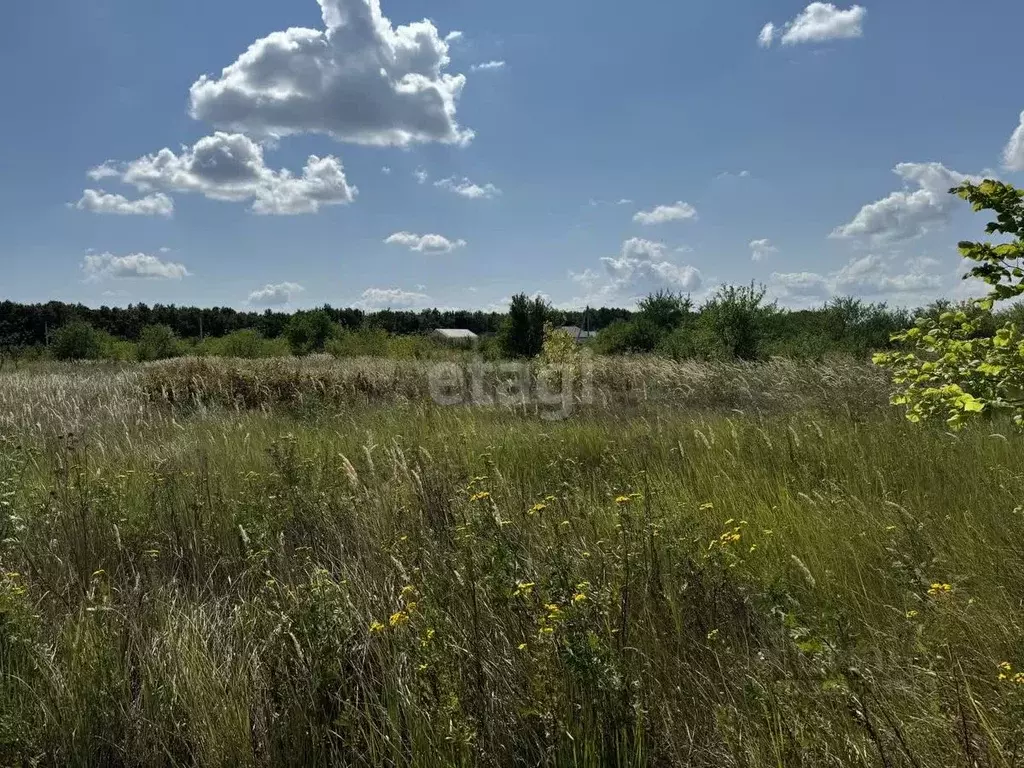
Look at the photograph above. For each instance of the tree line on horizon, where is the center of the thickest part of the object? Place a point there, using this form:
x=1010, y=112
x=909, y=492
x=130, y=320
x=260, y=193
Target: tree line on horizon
x=734, y=323
x=33, y=325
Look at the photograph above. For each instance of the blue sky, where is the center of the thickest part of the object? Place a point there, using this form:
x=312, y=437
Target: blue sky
x=603, y=150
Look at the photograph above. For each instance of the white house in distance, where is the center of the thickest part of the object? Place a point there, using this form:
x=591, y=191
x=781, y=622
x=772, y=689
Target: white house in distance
x=455, y=336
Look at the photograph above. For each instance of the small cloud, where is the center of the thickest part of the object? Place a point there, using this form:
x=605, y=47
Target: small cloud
x=275, y=294
x=468, y=189
x=425, y=243
x=106, y=170
x=391, y=298
x=730, y=175
x=642, y=267
x=488, y=65
x=421, y=175
x=677, y=211
x=1013, y=154
x=818, y=23
x=103, y=266
x=761, y=248
x=386, y=170
x=452, y=36
x=98, y=201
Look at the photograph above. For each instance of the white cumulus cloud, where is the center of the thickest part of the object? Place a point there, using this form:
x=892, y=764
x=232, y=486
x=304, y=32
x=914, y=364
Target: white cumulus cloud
x=908, y=213
x=468, y=189
x=872, y=276
x=230, y=166
x=641, y=268
x=275, y=294
x=359, y=79
x=817, y=23
x=761, y=248
x=103, y=171
x=425, y=243
x=101, y=266
x=391, y=298
x=1013, y=154
x=677, y=211
x=98, y=201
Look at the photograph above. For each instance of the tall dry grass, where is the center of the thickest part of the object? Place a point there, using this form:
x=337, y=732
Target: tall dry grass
x=204, y=580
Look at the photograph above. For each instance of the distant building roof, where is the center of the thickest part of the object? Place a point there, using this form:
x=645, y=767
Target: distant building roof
x=577, y=333
x=456, y=333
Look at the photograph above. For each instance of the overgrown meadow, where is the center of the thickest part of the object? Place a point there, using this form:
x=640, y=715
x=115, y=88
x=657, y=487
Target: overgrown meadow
x=310, y=562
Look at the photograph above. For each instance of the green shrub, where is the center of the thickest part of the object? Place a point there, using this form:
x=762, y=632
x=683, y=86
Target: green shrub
x=77, y=341
x=731, y=323
x=628, y=336
x=309, y=332
x=156, y=342
x=364, y=342
x=248, y=344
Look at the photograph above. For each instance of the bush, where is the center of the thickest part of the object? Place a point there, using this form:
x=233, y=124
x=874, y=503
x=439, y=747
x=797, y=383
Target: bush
x=156, y=342
x=628, y=336
x=247, y=344
x=666, y=310
x=77, y=341
x=364, y=342
x=309, y=332
x=732, y=323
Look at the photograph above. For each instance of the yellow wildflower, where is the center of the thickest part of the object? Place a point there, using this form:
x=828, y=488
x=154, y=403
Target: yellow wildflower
x=399, y=618
x=937, y=589
x=622, y=499
x=480, y=496
x=523, y=588
x=376, y=627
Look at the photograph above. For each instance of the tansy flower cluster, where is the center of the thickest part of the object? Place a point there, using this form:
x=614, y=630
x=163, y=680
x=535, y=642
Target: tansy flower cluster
x=1007, y=674
x=399, y=618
